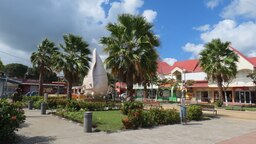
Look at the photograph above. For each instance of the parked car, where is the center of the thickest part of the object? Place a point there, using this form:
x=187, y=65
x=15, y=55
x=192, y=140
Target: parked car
x=123, y=96
x=32, y=93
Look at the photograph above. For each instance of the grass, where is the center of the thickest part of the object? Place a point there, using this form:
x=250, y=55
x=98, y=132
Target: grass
x=239, y=108
x=109, y=121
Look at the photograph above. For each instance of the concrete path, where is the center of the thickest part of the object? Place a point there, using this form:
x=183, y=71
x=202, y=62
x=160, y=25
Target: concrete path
x=50, y=129
x=243, y=139
x=249, y=115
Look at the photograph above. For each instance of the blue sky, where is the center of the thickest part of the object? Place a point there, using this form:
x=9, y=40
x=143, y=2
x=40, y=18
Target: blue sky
x=184, y=26
x=175, y=22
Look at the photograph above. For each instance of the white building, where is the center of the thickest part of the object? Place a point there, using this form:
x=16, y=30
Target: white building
x=240, y=90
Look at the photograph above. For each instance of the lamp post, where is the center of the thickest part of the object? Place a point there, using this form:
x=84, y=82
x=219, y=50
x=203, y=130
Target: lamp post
x=3, y=84
x=60, y=76
x=183, y=106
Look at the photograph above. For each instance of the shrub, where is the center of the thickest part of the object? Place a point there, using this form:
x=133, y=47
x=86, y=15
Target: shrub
x=11, y=116
x=194, y=112
x=164, y=117
x=159, y=116
x=37, y=104
x=135, y=116
x=127, y=123
x=172, y=116
x=139, y=118
x=57, y=103
x=128, y=106
x=35, y=100
x=218, y=103
x=147, y=120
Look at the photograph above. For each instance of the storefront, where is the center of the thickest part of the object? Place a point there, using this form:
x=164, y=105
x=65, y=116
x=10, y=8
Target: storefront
x=246, y=97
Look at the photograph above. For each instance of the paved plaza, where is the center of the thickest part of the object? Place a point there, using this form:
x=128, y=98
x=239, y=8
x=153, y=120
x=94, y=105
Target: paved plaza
x=43, y=129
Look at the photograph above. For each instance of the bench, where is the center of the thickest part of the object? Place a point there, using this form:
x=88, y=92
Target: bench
x=148, y=103
x=209, y=108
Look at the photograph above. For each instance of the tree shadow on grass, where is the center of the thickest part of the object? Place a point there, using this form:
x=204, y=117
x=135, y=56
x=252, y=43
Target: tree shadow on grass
x=35, y=139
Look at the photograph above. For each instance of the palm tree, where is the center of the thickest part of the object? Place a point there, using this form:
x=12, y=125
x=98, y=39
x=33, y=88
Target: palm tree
x=147, y=69
x=219, y=63
x=42, y=59
x=131, y=49
x=73, y=60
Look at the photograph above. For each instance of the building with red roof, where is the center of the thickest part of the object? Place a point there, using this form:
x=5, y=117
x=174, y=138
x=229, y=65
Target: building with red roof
x=240, y=90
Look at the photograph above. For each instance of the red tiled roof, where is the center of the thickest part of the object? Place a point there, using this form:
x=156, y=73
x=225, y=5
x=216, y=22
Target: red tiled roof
x=253, y=60
x=239, y=53
x=188, y=65
x=163, y=67
x=193, y=65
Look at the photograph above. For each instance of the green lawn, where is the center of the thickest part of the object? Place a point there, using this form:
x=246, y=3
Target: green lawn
x=238, y=108
x=109, y=121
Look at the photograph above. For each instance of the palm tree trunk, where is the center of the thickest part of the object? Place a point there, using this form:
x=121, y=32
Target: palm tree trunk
x=41, y=79
x=69, y=90
x=220, y=88
x=129, y=82
x=145, y=94
x=69, y=86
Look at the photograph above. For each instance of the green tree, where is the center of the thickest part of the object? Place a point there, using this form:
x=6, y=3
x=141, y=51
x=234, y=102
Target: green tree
x=1, y=66
x=147, y=69
x=42, y=59
x=73, y=60
x=15, y=70
x=253, y=76
x=131, y=48
x=33, y=73
x=219, y=63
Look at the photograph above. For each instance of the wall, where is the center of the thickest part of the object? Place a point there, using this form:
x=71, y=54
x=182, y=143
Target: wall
x=195, y=76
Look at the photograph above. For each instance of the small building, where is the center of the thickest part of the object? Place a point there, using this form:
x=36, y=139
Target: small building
x=51, y=88
x=7, y=85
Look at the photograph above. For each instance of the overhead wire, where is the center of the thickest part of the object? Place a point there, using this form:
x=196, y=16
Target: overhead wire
x=14, y=56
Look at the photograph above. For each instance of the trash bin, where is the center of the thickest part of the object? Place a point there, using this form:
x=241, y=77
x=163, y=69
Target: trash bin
x=30, y=105
x=88, y=122
x=43, y=108
x=183, y=114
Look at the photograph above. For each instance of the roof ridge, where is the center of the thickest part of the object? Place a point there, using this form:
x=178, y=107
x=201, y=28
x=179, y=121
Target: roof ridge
x=238, y=52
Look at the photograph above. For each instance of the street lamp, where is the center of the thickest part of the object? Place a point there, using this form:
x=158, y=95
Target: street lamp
x=183, y=106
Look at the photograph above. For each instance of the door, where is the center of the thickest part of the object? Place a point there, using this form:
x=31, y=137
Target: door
x=247, y=97
x=242, y=97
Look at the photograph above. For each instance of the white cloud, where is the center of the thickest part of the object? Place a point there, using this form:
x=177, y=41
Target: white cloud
x=202, y=28
x=150, y=15
x=242, y=37
x=92, y=9
x=52, y=19
x=170, y=61
x=213, y=3
x=252, y=53
x=10, y=55
x=244, y=8
x=194, y=49
x=124, y=6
